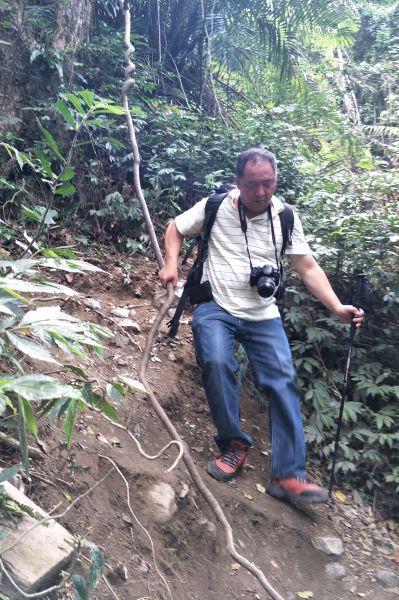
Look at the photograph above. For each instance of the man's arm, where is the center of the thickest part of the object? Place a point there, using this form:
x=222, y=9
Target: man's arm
x=173, y=244
x=317, y=283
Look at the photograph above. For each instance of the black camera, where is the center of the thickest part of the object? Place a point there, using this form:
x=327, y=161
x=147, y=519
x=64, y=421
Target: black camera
x=267, y=280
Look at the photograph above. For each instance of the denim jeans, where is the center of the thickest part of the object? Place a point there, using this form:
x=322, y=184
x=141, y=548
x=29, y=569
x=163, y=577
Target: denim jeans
x=266, y=345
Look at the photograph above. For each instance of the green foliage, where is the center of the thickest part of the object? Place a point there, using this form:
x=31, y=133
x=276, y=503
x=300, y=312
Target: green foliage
x=354, y=229
x=33, y=333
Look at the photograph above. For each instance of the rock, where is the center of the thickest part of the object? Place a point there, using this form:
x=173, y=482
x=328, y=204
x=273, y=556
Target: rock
x=121, y=362
x=120, y=341
x=120, y=312
x=132, y=313
x=162, y=498
x=335, y=571
x=91, y=303
x=36, y=561
x=357, y=499
x=328, y=545
x=130, y=324
x=172, y=357
x=387, y=579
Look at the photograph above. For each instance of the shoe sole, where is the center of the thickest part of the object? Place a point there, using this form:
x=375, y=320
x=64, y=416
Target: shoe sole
x=214, y=471
x=280, y=494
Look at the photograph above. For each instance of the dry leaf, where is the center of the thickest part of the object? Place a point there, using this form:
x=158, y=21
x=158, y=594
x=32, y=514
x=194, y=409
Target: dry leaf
x=248, y=496
x=115, y=441
x=235, y=566
x=340, y=496
x=260, y=488
x=274, y=564
x=304, y=595
x=361, y=594
x=265, y=453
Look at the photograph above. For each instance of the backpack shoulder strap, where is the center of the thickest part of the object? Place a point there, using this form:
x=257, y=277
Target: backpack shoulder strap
x=287, y=225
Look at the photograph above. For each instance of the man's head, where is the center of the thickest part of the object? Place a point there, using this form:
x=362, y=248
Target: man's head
x=256, y=178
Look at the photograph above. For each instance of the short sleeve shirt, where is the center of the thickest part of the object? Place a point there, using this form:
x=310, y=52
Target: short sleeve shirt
x=227, y=267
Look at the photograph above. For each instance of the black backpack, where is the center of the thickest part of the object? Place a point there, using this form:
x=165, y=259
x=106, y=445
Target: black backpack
x=202, y=239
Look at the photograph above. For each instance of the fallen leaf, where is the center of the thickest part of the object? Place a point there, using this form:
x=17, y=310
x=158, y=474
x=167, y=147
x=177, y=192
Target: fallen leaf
x=235, y=566
x=248, y=496
x=260, y=488
x=114, y=441
x=304, y=594
x=274, y=564
x=361, y=594
x=197, y=448
x=264, y=452
x=340, y=496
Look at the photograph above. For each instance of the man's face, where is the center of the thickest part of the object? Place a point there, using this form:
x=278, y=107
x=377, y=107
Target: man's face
x=256, y=185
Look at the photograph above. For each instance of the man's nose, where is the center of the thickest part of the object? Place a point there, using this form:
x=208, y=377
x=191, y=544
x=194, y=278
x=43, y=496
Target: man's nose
x=260, y=190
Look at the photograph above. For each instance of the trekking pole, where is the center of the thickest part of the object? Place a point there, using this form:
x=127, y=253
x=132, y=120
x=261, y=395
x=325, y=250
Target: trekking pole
x=358, y=301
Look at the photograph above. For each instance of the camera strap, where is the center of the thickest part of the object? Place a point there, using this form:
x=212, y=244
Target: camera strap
x=244, y=227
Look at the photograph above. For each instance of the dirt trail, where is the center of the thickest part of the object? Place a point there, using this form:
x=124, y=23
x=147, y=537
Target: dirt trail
x=190, y=548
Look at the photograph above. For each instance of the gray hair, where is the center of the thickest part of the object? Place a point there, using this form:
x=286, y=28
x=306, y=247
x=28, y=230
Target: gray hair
x=255, y=155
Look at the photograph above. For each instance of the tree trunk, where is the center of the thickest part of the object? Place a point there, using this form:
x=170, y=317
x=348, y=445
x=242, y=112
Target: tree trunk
x=73, y=21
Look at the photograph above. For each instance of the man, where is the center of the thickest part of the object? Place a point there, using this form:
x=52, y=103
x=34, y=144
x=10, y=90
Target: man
x=242, y=238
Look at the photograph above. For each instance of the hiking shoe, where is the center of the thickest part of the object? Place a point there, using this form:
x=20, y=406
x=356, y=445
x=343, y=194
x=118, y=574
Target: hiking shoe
x=297, y=491
x=230, y=462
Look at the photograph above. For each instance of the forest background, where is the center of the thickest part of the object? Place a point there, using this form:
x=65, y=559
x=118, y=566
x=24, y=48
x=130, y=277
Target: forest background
x=316, y=82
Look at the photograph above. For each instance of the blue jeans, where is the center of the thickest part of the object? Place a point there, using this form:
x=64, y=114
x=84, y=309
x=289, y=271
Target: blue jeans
x=266, y=345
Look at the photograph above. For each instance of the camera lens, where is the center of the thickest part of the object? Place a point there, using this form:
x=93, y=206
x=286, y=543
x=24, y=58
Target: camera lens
x=266, y=287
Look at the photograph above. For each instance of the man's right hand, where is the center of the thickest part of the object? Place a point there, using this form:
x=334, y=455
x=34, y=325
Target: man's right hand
x=168, y=274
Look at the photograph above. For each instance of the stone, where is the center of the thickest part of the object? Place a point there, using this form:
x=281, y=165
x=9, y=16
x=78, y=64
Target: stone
x=124, y=313
x=335, y=571
x=328, y=545
x=130, y=324
x=35, y=562
x=91, y=303
x=172, y=357
x=162, y=499
x=387, y=579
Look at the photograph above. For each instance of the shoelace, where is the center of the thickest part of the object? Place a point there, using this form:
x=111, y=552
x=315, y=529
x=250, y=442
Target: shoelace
x=233, y=456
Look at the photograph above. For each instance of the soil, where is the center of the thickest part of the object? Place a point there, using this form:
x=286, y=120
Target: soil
x=189, y=551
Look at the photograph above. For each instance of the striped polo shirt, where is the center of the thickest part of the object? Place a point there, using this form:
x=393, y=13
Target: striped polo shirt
x=227, y=267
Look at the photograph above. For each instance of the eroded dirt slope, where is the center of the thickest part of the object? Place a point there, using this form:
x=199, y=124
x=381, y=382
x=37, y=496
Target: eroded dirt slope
x=189, y=551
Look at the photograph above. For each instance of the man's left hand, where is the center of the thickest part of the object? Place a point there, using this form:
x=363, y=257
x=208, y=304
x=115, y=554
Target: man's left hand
x=348, y=313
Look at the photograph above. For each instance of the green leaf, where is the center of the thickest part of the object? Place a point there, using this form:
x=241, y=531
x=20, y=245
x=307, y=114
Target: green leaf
x=66, y=113
x=31, y=348
x=44, y=162
x=4, y=401
x=69, y=421
x=67, y=174
x=97, y=565
x=6, y=474
x=88, y=97
x=76, y=103
x=28, y=416
x=80, y=586
x=114, y=393
x=40, y=387
x=134, y=384
x=66, y=189
x=10, y=285
x=111, y=109
x=50, y=141
x=22, y=437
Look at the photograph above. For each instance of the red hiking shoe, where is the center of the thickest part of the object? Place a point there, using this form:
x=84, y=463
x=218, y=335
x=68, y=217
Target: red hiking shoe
x=297, y=491
x=230, y=462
